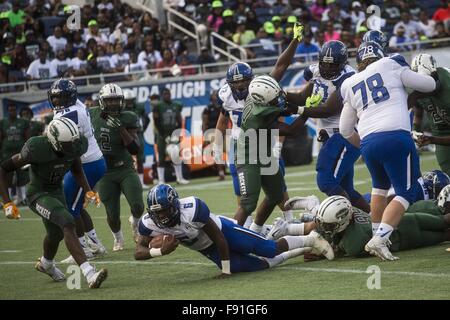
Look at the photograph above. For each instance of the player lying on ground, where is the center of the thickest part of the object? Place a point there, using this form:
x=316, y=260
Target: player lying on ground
x=50, y=157
x=230, y=246
x=348, y=228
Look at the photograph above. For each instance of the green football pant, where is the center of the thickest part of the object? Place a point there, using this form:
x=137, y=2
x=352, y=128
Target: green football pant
x=443, y=158
x=55, y=216
x=250, y=183
x=114, y=183
x=140, y=156
x=161, y=143
x=419, y=230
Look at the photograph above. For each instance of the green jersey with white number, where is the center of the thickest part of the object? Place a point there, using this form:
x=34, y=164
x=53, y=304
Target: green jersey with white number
x=168, y=117
x=437, y=105
x=108, y=138
x=47, y=167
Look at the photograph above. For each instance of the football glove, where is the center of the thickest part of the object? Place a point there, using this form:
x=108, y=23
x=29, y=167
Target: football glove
x=92, y=197
x=298, y=32
x=11, y=211
x=313, y=101
x=113, y=122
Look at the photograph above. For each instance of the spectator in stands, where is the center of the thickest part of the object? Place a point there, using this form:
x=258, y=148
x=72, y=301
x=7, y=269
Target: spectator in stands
x=150, y=56
x=317, y=9
x=357, y=14
x=397, y=42
x=119, y=35
x=308, y=50
x=186, y=66
x=57, y=41
x=243, y=36
x=347, y=39
x=334, y=12
x=77, y=40
x=331, y=33
x=31, y=44
x=241, y=11
x=19, y=64
x=412, y=28
x=279, y=32
x=206, y=58
x=40, y=68
x=105, y=4
x=440, y=33
x=265, y=48
x=443, y=13
x=215, y=18
x=5, y=6
x=16, y=15
x=61, y=64
x=252, y=22
x=93, y=69
x=427, y=25
x=79, y=63
x=136, y=65
x=135, y=39
x=93, y=32
x=291, y=21
x=104, y=61
x=319, y=38
x=120, y=58
x=167, y=62
x=45, y=46
x=228, y=27
x=391, y=12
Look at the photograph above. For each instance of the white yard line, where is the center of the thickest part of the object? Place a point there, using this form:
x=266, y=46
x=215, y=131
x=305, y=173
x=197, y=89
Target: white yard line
x=10, y=251
x=192, y=263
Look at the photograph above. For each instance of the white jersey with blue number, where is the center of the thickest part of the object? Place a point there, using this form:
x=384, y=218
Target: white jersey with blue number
x=379, y=96
x=79, y=114
x=325, y=88
x=194, y=214
x=233, y=107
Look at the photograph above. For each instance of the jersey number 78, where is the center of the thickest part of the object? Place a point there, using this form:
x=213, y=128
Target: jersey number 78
x=375, y=84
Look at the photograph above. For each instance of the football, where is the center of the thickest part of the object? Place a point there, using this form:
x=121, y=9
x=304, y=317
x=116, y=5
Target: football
x=157, y=241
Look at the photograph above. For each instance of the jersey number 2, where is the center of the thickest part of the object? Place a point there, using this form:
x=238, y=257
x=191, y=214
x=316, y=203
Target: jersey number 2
x=106, y=142
x=376, y=87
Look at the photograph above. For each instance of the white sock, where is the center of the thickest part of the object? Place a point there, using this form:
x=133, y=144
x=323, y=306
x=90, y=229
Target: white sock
x=118, y=236
x=83, y=241
x=178, y=171
x=87, y=269
x=46, y=263
x=375, y=226
x=296, y=229
x=276, y=260
x=295, y=242
x=288, y=215
x=93, y=236
x=248, y=222
x=384, y=230
x=256, y=228
x=161, y=171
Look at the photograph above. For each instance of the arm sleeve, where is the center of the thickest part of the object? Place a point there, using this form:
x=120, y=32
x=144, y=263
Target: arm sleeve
x=348, y=121
x=143, y=230
x=202, y=212
x=417, y=81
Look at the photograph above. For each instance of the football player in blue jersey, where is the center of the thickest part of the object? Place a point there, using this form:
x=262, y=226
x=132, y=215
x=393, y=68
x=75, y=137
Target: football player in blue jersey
x=230, y=246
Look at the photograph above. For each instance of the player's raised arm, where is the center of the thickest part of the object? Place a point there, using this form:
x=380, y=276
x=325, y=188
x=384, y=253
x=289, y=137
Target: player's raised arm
x=216, y=235
x=285, y=60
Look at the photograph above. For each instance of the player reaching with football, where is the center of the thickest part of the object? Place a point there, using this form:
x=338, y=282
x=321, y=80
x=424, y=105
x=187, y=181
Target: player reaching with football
x=116, y=134
x=50, y=157
x=170, y=220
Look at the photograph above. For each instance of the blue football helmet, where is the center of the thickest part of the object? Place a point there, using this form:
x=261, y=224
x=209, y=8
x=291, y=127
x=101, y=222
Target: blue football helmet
x=164, y=206
x=332, y=59
x=434, y=181
x=62, y=94
x=376, y=36
x=369, y=50
x=239, y=75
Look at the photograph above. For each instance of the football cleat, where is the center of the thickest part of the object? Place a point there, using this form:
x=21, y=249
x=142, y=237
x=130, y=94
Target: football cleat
x=182, y=181
x=118, y=245
x=54, y=273
x=278, y=230
x=97, y=279
x=378, y=246
x=321, y=246
x=309, y=203
x=98, y=249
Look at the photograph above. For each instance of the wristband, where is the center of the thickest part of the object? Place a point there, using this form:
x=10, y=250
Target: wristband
x=226, y=266
x=155, y=252
x=300, y=110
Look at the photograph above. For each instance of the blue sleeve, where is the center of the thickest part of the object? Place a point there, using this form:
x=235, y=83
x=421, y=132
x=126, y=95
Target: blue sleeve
x=72, y=116
x=143, y=230
x=201, y=211
x=307, y=74
x=338, y=83
x=219, y=101
x=400, y=60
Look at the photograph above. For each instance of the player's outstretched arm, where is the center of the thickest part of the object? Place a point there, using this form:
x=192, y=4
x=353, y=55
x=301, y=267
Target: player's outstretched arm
x=292, y=129
x=333, y=106
x=299, y=98
x=216, y=235
x=285, y=59
x=142, y=252
x=425, y=140
x=419, y=82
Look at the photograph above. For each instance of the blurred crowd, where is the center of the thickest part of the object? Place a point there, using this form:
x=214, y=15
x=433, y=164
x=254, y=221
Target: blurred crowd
x=36, y=42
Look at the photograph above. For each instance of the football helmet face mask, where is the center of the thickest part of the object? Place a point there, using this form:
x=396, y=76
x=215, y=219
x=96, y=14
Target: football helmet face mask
x=434, y=181
x=111, y=99
x=333, y=216
x=62, y=94
x=164, y=206
x=332, y=59
x=424, y=63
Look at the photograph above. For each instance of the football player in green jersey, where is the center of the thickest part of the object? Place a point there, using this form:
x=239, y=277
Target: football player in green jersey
x=139, y=109
x=36, y=127
x=14, y=132
x=116, y=134
x=167, y=118
x=50, y=157
x=256, y=165
x=437, y=106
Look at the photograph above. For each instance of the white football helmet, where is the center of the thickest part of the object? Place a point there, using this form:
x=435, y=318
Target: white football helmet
x=424, y=63
x=63, y=134
x=443, y=199
x=333, y=216
x=264, y=89
x=111, y=99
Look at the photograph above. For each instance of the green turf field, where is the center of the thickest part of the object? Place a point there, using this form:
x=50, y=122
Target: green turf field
x=419, y=274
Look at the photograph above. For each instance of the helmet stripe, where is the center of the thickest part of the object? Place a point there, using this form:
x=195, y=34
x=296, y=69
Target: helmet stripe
x=73, y=131
x=270, y=84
